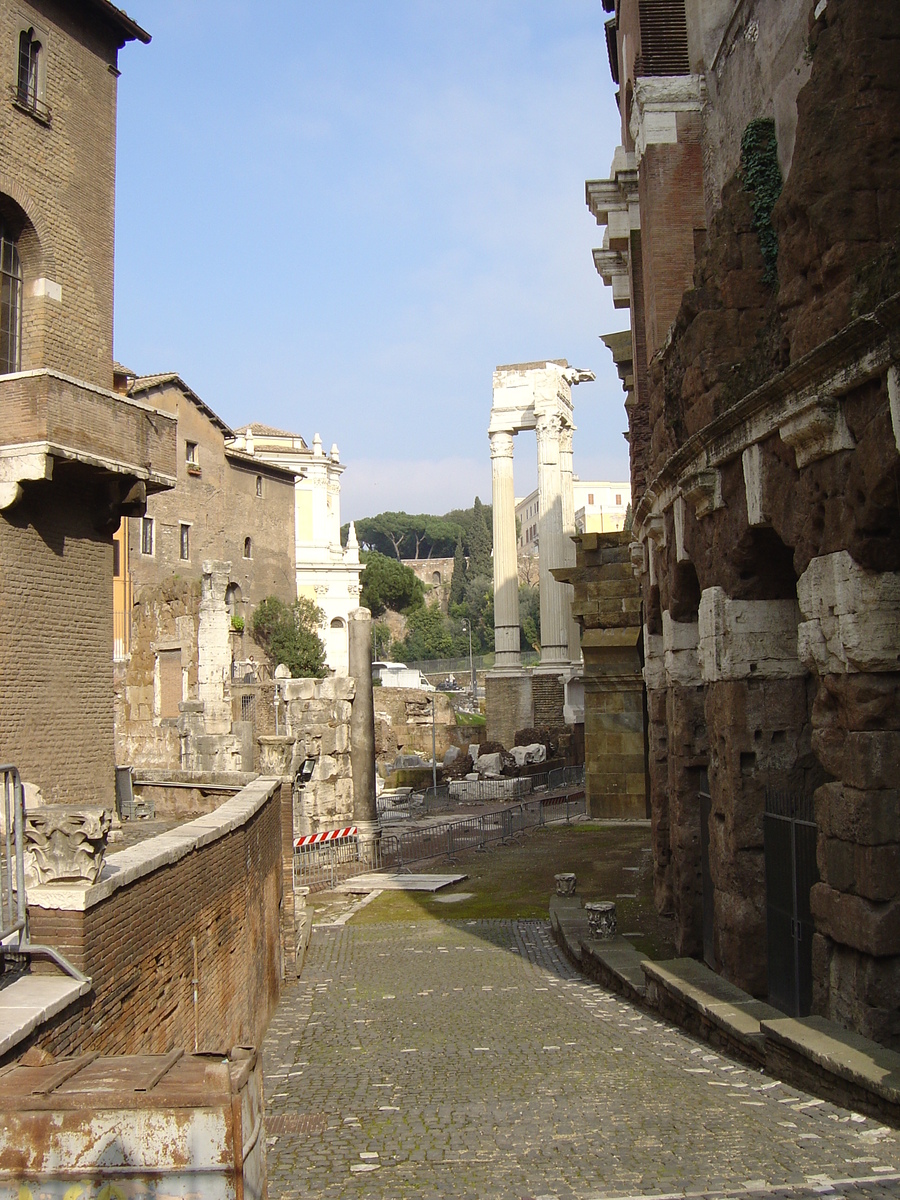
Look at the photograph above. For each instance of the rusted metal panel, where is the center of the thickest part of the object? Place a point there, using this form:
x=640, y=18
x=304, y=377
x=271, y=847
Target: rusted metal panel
x=115, y=1128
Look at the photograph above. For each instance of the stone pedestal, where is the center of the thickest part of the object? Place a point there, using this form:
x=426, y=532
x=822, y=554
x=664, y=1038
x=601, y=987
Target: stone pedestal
x=508, y=704
x=601, y=915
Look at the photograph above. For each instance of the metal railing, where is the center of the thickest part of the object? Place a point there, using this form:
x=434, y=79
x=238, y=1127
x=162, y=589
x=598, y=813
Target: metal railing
x=461, y=666
x=13, y=912
x=323, y=866
x=448, y=797
x=13, y=900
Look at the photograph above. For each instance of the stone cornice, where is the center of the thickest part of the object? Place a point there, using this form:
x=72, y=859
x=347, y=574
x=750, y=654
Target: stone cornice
x=865, y=348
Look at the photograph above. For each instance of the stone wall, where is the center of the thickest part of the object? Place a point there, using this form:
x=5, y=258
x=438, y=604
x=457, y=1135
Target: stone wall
x=214, y=886
x=403, y=723
x=316, y=715
x=607, y=606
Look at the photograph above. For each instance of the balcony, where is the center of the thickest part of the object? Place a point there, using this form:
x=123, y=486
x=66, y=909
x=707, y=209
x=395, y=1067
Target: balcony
x=48, y=417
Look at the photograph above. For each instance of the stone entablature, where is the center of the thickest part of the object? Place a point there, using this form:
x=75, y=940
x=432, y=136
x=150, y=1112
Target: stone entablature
x=815, y=384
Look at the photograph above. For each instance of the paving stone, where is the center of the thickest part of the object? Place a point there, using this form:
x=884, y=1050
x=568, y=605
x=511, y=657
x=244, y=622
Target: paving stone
x=474, y=1062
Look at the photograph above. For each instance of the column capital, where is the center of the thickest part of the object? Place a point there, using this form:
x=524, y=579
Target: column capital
x=501, y=444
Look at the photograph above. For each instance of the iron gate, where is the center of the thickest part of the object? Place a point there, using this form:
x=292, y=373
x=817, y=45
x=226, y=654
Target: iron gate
x=791, y=871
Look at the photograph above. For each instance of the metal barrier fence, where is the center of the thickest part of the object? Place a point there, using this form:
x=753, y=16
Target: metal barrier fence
x=324, y=865
x=12, y=856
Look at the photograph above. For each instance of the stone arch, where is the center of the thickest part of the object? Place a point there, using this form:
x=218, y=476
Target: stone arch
x=436, y=578
x=233, y=599
x=35, y=243
x=337, y=623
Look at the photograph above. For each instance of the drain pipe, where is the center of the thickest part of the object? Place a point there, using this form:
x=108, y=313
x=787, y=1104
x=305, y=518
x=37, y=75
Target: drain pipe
x=195, y=982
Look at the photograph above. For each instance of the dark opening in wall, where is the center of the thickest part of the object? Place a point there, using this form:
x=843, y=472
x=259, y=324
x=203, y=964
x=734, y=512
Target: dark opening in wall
x=684, y=603
x=764, y=567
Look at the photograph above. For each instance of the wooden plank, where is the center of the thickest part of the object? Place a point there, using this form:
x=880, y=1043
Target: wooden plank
x=391, y=882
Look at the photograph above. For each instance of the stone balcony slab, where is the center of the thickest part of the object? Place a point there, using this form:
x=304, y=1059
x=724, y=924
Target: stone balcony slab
x=48, y=417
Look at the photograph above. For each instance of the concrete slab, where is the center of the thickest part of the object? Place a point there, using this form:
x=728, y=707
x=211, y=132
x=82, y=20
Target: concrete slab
x=31, y=1000
x=390, y=882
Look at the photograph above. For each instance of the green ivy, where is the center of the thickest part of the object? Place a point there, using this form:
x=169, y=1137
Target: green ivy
x=762, y=179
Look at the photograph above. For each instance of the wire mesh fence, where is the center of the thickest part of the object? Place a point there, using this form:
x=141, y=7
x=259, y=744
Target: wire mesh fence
x=324, y=865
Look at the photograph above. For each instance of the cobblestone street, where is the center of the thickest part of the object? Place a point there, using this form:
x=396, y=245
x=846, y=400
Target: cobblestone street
x=468, y=1059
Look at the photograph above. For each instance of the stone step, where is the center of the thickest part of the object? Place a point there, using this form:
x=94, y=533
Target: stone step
x=30, y=1000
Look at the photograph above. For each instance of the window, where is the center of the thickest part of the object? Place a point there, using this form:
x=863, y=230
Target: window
x=30, y=76
x=618, y=497
x=184, y=542
x=117, y=559
x=10, y=302
x=590, y=497
x=248, y=548
x=146, y=535
x=192, y=458
x=259, y=485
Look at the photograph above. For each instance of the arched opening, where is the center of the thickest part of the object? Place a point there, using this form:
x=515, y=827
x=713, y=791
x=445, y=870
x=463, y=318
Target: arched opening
x=233, y=599
x=436, y=578
x=337, y=623
x=248, y=548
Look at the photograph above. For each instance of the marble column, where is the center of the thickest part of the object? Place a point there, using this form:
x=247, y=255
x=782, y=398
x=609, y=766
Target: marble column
x=362, y=734
x=554, y=600
x=506, y=577
x=568, y=512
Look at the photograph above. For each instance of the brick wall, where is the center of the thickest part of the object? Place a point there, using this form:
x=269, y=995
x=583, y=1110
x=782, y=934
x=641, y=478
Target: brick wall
x=137, y=942
x=56, y=641
x=60, y=178
x=671, y=198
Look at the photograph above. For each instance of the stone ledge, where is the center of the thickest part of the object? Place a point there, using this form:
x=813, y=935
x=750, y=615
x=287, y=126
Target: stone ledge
x=829, y=1058
x=126, y=866
x=719, y=1007
x=31, y=1001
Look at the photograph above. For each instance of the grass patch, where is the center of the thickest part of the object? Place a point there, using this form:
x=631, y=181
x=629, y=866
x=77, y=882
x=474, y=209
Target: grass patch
x=612, y=862
x=467, y=719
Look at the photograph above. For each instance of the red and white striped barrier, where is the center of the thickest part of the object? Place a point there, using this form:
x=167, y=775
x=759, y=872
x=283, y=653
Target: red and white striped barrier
x=330, y=835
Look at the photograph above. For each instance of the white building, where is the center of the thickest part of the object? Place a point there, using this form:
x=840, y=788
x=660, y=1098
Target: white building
x=327, y=573
x=599, y=508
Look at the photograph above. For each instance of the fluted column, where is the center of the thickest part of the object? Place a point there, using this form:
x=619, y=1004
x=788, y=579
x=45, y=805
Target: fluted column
x=568, y=497
x=554, y=607
x=506, y=578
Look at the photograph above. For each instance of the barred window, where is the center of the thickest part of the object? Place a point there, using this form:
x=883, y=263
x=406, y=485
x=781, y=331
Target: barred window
x=28, y=83
x=10, y=303
x=146, y=535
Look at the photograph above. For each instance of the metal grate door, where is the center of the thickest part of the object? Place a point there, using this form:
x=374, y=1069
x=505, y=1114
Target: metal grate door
x=791, y=871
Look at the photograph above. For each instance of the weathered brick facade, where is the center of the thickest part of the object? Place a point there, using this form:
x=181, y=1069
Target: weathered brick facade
x=764, y=414
x=75, y=455
x=221, y=899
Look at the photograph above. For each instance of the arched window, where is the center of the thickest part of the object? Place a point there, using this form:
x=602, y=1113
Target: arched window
x=248, y=548
x=28, y=82
x=337, y=623
x=10, y=302
x=436, y=578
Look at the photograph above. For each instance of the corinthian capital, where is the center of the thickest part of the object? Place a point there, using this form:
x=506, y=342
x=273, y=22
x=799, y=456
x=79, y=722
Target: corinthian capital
x=501, y=445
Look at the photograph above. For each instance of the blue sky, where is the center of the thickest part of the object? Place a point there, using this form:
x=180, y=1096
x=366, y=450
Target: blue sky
x=340, y=216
